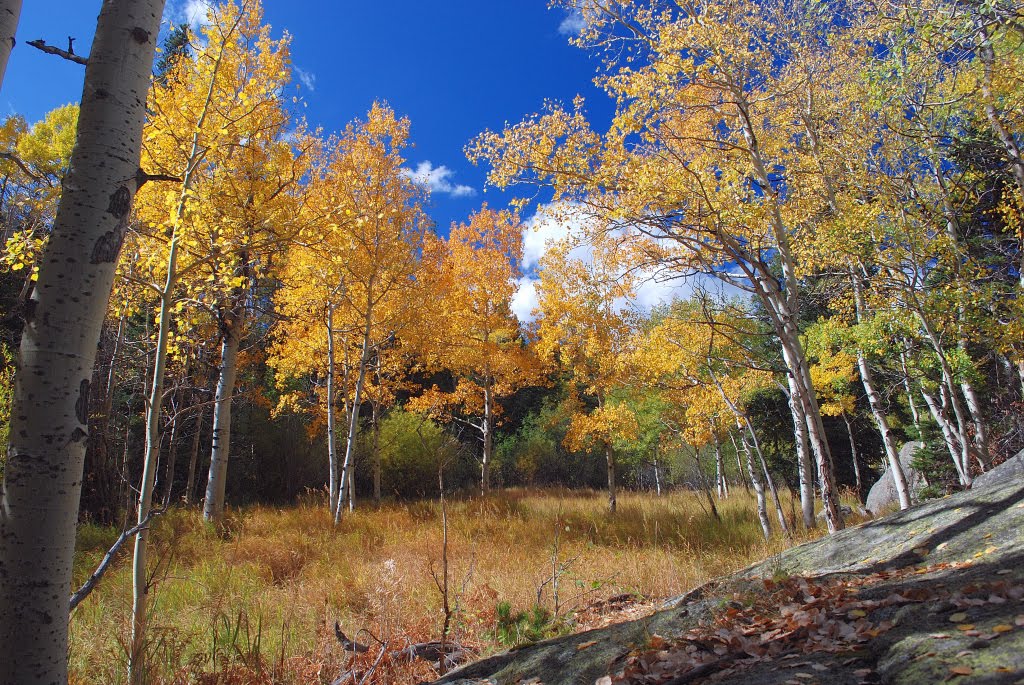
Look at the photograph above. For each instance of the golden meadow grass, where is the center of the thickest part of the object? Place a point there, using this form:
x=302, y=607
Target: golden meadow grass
x=258, y=603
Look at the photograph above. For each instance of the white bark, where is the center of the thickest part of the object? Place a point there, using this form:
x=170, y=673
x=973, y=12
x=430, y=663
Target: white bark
x=49, y=417
x=949, y=434
x=487, y=427
x=136, y=667
x=10, y=12
x=762, y=502
x=353, y=424
x=948, y=387
x=216, y=483
x=805, y=467
x=609, y=455
x=332, y=443
x=981, y=440
x=721, y=484
x=854, y=458
x=892, y=453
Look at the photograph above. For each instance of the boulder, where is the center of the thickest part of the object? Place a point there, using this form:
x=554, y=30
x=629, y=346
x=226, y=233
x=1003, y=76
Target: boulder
x=1010, y=470
x=883, y=493
x=911, y=573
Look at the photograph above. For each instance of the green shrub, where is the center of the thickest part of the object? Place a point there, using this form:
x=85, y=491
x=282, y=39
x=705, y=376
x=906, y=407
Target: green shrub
x=518, y=628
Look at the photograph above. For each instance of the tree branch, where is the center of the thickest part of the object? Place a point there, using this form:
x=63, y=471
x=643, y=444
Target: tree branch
x=68, y=54
x=94, y=579
x=10, y=156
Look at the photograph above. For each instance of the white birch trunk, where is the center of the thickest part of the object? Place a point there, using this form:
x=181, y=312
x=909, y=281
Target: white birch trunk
x=136, y=656
x=345, y=484
x=915, y=415
x=853, y=457
x=10, y=13
x=332, y=443
x=981, y=440
x=949, y=435
x=892, y=454
x=609, y=455
x=805, y=467
x=49, y=417
x=220, y=449
x=486, y=427
x=720, y=483
x=762, y=501
x=657, y=475
x=948, y=386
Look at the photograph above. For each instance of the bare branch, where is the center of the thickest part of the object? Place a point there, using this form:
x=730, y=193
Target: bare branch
x=10, y=156
x=94, y=579
x=66, y=54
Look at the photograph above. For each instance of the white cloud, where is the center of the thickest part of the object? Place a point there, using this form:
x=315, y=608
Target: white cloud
x=549, y=225
x=556, y=222
x=195, y=13
x=525, y=299
x=438, y=180
x=573, y=24
x=307, y=78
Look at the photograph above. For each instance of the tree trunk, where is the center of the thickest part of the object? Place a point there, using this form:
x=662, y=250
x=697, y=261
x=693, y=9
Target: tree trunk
x=805, y=467
x=739, y=463
x=657, y=476
x=609, y=455
x=899, y=478
x=332, y=444
x=486, y=427
x=981, y=440
x=720, y=482
x=892, y=454
x=220, y=449
x=375, y=420
x=949, y=435
x=948, y=387
x=762, y=501
x=172, y=456
x=856, y=463
x=915, y=415
x=10, y=12
x=49, y=422
x=768, y=478
x=705, y=487
x=353, y=424
x=193, y=459
x=136, y=665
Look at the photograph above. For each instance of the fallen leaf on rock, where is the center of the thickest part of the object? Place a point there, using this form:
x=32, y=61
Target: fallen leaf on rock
x=1002, y=628
x=961, y=670
x=585, y=645
x=958, y=617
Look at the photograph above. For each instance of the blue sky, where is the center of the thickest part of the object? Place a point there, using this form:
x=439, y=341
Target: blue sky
x=454, y=67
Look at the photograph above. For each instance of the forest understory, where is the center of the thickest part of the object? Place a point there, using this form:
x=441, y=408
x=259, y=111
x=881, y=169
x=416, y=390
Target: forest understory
x=258, y=603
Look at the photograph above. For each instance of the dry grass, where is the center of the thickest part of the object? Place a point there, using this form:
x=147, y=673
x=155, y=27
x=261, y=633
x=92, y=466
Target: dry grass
x=258, y=604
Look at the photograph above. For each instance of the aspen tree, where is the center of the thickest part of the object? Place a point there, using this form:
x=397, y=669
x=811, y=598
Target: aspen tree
x=49, y=421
